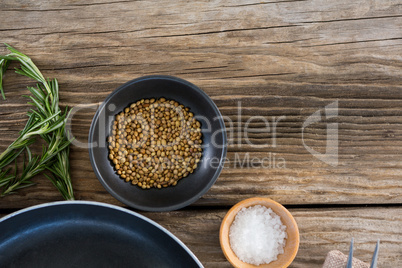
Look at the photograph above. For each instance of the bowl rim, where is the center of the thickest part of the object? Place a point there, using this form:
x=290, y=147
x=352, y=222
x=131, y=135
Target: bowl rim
x=160, y=208
x=248, y=203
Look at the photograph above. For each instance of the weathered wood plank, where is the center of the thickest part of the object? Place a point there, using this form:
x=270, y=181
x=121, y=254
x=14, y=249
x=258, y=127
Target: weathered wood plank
x=274, y=58
x=321, y=230
x=278, y=58
x=301, y=41
x=369, y=167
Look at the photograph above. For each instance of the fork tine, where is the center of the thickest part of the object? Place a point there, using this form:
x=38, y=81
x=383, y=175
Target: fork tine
x=375, y=255
x=350, y=257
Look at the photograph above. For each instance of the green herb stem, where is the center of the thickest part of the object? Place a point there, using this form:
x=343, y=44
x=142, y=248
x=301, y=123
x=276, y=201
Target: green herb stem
x=46, y=121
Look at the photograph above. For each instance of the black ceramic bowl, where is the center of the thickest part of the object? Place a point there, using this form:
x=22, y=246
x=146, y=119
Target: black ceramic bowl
x=187, y=190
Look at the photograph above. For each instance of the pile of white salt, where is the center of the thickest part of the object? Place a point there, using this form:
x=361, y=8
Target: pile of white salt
x=257, y=235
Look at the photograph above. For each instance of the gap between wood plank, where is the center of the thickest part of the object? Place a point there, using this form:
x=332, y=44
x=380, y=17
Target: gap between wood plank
x=6, y=211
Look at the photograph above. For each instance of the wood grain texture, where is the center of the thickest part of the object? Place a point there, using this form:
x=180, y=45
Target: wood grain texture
x=277, y=59
x=321, y=231
x=283, y=58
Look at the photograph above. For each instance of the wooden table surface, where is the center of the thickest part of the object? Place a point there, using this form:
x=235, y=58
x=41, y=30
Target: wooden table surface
x=281, y=60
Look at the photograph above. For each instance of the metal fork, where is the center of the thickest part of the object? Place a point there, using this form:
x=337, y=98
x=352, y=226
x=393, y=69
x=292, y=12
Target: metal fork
x=373, y=260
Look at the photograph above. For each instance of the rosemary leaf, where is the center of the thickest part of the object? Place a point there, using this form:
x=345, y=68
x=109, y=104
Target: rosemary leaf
x=47, y=121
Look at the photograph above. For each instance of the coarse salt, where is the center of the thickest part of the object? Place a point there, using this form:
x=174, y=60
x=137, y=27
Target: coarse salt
x=257, y=235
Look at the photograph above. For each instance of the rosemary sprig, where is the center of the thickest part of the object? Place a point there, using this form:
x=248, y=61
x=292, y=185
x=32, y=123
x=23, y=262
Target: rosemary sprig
x=60, y=175
x=3, y=67
x=46, y=121
x=34, y=126
x=36, y=164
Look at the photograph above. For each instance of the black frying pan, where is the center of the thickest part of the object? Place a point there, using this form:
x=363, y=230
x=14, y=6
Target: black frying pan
x=88, y=234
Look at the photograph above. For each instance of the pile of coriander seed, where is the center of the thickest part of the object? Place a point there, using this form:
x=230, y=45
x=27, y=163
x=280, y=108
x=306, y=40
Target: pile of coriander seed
x=155, y=143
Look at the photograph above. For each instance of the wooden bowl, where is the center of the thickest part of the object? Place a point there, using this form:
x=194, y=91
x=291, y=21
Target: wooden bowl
x=292, y=242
